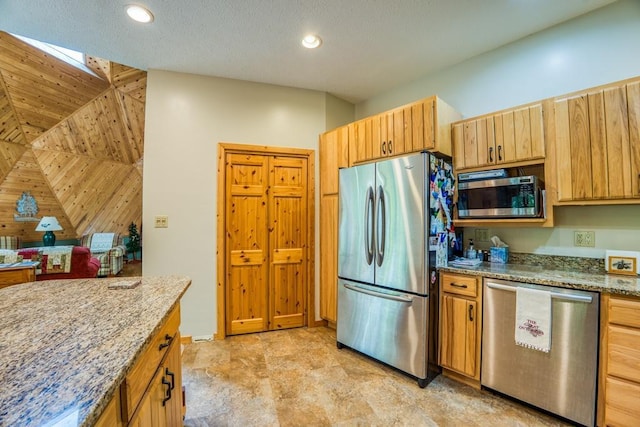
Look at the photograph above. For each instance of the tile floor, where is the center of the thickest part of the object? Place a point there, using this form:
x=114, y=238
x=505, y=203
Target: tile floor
x=299, y=378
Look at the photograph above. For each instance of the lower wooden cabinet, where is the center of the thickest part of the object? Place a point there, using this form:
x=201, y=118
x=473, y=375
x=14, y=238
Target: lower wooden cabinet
x=161, y=404
x=621, y=361
x=151, y=393
x=460, y=326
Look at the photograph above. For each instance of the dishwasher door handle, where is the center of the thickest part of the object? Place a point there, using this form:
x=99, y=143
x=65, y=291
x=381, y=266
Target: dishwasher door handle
x=554, y=295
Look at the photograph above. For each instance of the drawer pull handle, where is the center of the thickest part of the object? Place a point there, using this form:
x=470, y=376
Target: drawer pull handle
x=173, y=377
x=500, y=153
x=455, y=285
x=167, y=395
x=390, y=145
x=167, y=342
x=384, y=147
x=490, y=154
x=471, y=313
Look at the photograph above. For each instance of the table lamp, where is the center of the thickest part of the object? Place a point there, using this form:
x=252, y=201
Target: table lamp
x=49, y=224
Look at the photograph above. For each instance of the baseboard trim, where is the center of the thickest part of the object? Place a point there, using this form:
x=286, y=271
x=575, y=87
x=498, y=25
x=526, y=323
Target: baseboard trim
x=186, y=339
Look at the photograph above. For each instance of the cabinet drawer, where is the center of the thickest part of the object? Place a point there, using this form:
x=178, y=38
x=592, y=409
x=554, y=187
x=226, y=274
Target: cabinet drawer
x=624, y=311
x=623, y=353
x=459, y=284
x=138, y=378
x=621, y=403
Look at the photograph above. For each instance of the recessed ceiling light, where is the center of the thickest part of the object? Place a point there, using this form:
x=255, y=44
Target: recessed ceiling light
x=139, y=13
x=311, y=41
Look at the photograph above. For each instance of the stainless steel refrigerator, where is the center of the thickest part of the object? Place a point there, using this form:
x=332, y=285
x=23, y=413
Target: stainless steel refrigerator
x=391, y=215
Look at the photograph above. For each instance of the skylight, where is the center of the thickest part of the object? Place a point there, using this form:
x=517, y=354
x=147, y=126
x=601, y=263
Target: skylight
x=69, y=56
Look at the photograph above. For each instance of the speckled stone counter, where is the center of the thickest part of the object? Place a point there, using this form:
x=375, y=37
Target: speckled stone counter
x=608, y=283
x=66, y=344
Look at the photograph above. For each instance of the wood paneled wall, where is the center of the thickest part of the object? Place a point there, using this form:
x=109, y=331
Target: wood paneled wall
x=72, y=139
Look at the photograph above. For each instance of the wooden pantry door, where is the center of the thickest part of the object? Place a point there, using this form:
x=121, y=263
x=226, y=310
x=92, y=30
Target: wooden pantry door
x=287, y=202
x=247, y=179
x=267, y=229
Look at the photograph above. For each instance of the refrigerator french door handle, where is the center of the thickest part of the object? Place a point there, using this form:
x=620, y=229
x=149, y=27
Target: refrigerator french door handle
x=381, y=227
x=399, y=298
x=369, y=225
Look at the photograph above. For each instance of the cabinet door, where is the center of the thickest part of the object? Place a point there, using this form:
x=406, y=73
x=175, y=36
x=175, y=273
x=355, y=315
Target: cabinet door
x=151, y=412
x=334, y=154
x=423, y=126
x=172, y=371
x=458, y=334
x=328, y=257
x=598, y=155
x=505, y=138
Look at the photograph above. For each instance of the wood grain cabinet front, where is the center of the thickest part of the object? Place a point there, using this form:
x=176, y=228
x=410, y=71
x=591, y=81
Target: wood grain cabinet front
x=460, y=327
x=620, y=374
x=508, y=137
x=598, y=145
x=334, y=154
x=152, y=389
x=414, y=127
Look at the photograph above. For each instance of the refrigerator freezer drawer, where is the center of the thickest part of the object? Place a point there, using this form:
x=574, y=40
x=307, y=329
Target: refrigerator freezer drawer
x=387, y=325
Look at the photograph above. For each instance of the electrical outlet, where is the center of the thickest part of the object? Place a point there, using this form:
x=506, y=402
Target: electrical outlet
x=161, y=221
x=585, y=239
x=482, y=235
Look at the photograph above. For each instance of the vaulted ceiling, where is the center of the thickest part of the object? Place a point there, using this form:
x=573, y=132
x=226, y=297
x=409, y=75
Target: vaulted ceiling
x=71, y=139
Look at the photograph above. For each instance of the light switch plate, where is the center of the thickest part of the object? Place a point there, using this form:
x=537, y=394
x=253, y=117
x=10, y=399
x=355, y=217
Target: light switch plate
x=161, y=221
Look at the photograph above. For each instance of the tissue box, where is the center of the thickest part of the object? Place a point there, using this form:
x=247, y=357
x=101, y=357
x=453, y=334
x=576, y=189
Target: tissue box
x=500, y=255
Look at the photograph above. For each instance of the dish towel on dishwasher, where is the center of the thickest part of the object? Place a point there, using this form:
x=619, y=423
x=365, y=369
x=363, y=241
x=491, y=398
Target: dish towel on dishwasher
x=533, y=319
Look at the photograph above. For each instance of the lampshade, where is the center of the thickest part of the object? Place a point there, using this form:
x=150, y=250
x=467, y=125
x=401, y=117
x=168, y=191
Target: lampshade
x=48, y=223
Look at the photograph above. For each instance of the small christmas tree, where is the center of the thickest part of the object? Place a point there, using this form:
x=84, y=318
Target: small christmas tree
x=133, y=245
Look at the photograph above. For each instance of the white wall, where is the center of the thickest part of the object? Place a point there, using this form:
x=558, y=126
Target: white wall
x=186, y=116
x=597, y=48
x=600, y=47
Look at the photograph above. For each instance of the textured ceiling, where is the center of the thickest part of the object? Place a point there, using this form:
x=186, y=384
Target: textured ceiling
x=369, y=46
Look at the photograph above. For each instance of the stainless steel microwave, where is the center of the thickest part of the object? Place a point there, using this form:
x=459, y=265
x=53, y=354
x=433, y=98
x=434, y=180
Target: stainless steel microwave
x=516, y=197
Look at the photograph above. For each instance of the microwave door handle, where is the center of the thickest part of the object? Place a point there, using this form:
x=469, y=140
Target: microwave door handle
x=369, y=225
x=381, y=228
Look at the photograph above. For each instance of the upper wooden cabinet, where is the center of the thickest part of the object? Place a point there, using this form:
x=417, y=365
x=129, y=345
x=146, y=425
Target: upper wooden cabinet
x=504, y=138
x=334, y=154
x=422, y=125
x=598, y=144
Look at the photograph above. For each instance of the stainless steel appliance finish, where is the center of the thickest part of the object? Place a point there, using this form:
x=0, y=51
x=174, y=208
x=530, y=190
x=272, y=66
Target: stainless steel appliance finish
x=391, y=328
x=384, y=269
x=500, y=198
x=562, y=381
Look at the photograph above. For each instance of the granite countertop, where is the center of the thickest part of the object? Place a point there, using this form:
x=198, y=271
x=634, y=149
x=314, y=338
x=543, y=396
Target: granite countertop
x=67, y=344
x=600, y=282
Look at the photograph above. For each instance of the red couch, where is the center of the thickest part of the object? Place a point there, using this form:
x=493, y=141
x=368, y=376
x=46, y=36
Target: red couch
x=82, y=264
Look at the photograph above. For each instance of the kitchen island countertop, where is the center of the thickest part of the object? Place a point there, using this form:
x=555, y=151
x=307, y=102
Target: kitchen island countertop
x=600, y=282
x=67, y=344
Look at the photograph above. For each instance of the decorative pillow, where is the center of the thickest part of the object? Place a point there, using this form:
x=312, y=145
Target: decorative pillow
x=101, y=242
x=7, y=256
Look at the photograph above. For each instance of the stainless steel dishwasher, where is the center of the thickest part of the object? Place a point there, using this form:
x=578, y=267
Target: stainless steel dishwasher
x=562, y=381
